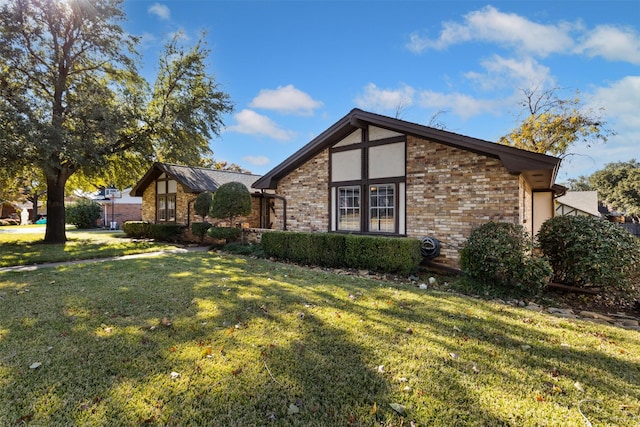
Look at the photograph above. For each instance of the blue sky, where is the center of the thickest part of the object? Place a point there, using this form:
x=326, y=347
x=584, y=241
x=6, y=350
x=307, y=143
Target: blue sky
x=293, y=68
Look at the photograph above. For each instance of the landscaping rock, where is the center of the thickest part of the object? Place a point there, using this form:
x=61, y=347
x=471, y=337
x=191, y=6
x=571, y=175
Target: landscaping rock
x=533, y=307
x=597, y=316
x=563, y=311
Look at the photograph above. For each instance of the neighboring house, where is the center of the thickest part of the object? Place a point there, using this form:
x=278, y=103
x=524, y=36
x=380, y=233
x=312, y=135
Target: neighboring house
x=578, y=203
x=118, y=207
x=371, y=174
x=168, y=192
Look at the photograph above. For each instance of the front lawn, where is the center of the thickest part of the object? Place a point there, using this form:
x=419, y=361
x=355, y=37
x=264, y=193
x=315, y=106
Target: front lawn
x=210, y=339
x=21, y=246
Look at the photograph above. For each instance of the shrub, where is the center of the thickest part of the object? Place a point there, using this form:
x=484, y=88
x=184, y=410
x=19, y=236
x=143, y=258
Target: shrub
x=83, y=214
x=391, y=255
x=147, y=230
x=231, y=200
x=136, y=229
x=165, y=232
x=244, y=249
x=202, y=204
x=199, y=229
x=228, y=234
x=500, y=256
x=588, y=251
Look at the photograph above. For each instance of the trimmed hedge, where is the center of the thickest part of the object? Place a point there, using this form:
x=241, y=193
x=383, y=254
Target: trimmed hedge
x=385, y=254
x=199, y=229
x=147, y=230
x=228, y=234
x=137, y=229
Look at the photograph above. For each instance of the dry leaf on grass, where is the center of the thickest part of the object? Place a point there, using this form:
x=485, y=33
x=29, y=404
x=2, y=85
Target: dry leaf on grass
x=399, y=408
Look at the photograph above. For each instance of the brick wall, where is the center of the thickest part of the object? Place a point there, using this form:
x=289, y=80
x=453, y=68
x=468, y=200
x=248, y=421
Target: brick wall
x=120, y=213
x=451, y=191
x=307, y=192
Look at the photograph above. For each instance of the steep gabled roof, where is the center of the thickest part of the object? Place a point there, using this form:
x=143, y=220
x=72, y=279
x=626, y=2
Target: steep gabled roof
x=585, y=201
x=194, y=179
x=538, y=169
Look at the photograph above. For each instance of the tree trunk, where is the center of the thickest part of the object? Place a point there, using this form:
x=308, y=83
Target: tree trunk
x=34, y=211
x=55, y=231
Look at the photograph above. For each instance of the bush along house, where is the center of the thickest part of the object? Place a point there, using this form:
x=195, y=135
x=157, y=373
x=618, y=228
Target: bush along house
x=372, y=174
x=168, y=192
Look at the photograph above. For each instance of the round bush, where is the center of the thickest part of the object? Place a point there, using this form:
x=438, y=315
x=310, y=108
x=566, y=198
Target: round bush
x=202, y=204
x=83, y=214
x=230, y=201
x=589, y=251
x=501, y=256
x=228, y=234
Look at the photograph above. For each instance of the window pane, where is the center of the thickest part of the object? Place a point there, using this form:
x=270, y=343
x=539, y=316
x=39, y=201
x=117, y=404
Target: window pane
x=382, y=207
x=349, y=208
x=162, y=209
x=171, y=208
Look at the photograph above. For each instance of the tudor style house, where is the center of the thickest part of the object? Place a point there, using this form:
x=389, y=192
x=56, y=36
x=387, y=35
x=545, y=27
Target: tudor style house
x=168, y=192
x=372, y=174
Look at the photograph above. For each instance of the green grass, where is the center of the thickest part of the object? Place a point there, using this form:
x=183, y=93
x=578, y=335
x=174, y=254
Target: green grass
x=26, y=248
x=254, y=342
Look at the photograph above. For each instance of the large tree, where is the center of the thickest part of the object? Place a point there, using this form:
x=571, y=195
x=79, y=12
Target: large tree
x=618, y=184
x=551, y=124
x=72, y=101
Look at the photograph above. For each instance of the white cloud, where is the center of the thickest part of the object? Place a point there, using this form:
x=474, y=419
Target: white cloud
x=460, y=104
x=620, y=102
x=257, y=160
x=251, y=123
x=287, y=100
x=160, y=10
x=612, y=43
x=375, y=98
x=508, y=29
x=510, y=72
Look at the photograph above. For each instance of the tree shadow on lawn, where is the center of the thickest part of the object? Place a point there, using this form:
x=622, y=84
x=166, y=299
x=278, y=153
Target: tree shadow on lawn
x=253, y=343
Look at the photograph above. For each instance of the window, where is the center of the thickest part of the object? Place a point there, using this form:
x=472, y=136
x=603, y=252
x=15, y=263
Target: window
x=166, y=200
x=349, y=208
x=382, y=209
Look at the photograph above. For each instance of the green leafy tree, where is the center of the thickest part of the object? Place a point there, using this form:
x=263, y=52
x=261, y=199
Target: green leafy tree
x=579, y=184
x=230, y=201
x=72, y=101
x=551, y=124
x=618, y=184
x=202, y=205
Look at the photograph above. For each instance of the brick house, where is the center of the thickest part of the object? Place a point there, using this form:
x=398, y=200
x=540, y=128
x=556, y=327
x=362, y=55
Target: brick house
x=118, y=207
x=372, y=174
x=168, y=192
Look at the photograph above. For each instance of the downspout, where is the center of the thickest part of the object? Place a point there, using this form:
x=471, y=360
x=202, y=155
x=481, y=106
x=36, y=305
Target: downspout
x=189, y=212
x=284, y=207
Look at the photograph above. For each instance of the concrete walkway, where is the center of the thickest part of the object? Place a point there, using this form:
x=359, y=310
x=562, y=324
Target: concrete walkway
x=34, y=267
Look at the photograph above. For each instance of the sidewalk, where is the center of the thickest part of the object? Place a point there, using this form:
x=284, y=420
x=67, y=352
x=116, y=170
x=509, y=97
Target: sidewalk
x=34, y=267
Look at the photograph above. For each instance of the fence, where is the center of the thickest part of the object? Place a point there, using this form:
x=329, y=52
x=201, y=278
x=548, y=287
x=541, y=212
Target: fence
x=633, y=228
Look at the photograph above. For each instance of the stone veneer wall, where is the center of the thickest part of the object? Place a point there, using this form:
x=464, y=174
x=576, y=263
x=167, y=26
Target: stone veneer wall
x=149, y=203
x=451, y=191
x=306, y=190
x=183, y=201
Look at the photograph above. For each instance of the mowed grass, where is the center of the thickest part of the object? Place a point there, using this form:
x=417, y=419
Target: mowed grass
x=24, y=247
x=211, y=339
